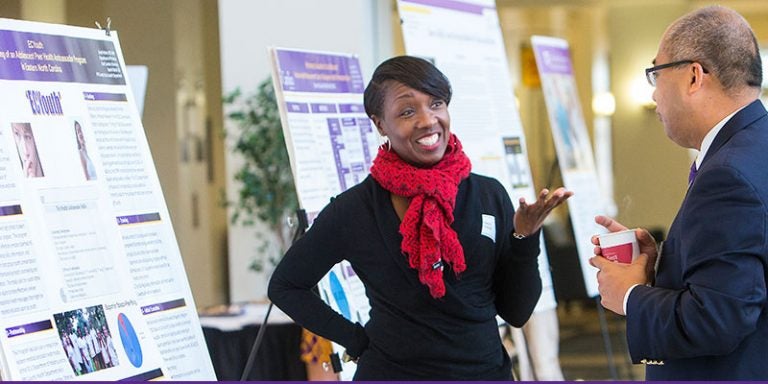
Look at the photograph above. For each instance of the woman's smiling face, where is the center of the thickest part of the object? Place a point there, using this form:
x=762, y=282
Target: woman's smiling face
x=417, y=124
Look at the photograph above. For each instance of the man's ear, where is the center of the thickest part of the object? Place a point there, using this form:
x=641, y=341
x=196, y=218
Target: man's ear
x=696, y=74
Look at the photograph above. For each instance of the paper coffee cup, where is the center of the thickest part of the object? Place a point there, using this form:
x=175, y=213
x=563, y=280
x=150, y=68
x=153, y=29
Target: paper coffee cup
x=619, y=246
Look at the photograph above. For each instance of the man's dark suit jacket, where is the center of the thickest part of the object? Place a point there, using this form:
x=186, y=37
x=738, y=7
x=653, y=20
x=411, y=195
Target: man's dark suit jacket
x=706, y=316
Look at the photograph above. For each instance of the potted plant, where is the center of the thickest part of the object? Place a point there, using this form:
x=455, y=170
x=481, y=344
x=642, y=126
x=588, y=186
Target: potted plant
x=267, y=192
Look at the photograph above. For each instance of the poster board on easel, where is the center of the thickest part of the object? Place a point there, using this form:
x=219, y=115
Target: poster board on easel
x=331, y=145
x=573, y=148
x=88, y=253
x=463, y=39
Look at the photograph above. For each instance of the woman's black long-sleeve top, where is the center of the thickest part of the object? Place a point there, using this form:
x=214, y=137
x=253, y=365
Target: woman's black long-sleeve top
x=410, y=334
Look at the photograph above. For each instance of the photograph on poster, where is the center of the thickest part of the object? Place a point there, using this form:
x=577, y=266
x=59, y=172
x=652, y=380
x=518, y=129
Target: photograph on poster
x=86, y=339
x=517, y=163
x=85, y=160
x=27, y=148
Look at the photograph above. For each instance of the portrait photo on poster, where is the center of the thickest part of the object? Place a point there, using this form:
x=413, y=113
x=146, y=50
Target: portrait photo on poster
x=88, y=169
x=27, y=150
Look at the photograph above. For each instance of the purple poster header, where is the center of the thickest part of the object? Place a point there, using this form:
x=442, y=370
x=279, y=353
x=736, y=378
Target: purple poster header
x=554, y=60
x=102, y=96
x=351, y=108
x=136, y=219
x=40, y=57
x=323, y=108
x=297, y=107
x=10, y=210
x=319, y=72
x=454, y=5
x=178, y=303
x=28, y=328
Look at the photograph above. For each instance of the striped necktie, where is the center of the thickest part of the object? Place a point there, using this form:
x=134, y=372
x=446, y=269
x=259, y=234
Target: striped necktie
x=692, y=174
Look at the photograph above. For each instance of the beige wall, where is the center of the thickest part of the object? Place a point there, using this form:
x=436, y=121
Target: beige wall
x=650, y=171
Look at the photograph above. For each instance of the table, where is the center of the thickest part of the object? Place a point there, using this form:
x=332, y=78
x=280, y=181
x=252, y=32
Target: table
x=230, y=340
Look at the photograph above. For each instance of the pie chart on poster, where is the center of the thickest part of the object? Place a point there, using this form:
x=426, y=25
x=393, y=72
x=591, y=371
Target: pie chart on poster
x=129, y=340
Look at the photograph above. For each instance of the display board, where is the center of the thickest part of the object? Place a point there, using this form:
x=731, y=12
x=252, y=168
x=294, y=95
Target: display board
x=92, y=284
x=331, y=144
x=463, y=39
x=573, y=148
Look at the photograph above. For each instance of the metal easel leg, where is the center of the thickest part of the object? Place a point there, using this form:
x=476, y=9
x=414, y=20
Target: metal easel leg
x=606, y=340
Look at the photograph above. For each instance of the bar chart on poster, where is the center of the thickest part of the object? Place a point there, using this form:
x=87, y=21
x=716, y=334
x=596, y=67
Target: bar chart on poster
x=92, y=284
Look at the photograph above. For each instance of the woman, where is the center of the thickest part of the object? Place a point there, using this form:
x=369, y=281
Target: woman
x=439, y=250
x=85, y=161
x=25, y=144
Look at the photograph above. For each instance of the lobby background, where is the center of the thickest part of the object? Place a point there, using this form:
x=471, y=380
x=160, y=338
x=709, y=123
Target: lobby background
x=198, y=50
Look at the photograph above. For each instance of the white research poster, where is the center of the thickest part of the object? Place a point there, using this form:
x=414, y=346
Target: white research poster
x=463, y=39
x=92, y=285
x=574, y=151
x=331, y=144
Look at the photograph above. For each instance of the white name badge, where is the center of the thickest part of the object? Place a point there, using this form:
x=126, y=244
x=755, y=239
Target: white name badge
x=489, y=227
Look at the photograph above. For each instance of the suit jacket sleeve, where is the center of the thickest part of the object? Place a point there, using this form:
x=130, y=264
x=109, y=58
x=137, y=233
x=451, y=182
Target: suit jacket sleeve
x=723, y=239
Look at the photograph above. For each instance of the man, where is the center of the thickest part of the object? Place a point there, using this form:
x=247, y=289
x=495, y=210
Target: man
x=703, y=315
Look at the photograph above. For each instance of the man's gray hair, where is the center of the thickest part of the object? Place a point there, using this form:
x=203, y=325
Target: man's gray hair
x=722, y=41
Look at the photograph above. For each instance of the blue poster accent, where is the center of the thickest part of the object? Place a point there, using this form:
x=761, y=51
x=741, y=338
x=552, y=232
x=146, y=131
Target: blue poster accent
x=129, y=340
x=338, y=294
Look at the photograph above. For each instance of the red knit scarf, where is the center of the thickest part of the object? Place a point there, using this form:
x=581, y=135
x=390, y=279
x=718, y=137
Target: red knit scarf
x=428, y=239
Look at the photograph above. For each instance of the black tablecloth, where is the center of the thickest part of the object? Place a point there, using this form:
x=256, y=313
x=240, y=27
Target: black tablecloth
x=278, y=357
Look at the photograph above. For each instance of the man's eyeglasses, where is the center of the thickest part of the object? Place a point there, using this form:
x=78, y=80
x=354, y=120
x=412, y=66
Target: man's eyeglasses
x=650, y=73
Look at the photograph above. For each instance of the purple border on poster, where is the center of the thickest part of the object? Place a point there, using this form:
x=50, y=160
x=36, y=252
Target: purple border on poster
x=152, y=308
x=319, y=72
x=25, y=329
x=453, y=5
x=40, y=57
x=553, y=59
x=145, y=376
x=103, y=96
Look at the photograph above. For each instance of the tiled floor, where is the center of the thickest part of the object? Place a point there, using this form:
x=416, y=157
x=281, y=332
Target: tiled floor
x=583, y=347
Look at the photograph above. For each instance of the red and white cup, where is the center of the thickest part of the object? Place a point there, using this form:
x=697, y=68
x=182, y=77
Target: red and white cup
x=619, y=246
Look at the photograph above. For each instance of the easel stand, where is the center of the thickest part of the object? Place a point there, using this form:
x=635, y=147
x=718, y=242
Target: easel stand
x=302, y=225
x=609, y=346
x=606, y=340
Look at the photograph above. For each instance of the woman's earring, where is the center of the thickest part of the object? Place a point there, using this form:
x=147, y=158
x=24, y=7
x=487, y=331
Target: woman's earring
x=385, y=143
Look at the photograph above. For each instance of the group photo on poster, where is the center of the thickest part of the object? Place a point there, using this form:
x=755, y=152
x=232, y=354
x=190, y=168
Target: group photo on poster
x=87, y=339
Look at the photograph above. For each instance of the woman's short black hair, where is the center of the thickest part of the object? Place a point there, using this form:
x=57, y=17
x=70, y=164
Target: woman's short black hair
x=411, y=71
